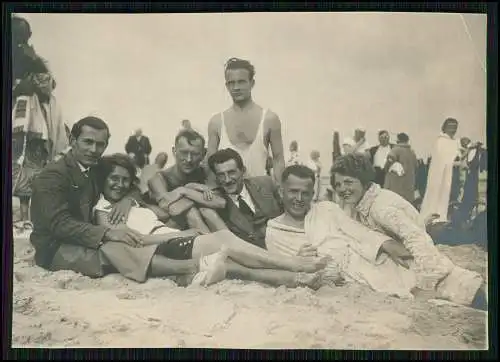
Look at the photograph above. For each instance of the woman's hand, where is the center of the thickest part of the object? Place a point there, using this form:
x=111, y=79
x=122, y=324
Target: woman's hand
x=397, y=252
x=119, y=212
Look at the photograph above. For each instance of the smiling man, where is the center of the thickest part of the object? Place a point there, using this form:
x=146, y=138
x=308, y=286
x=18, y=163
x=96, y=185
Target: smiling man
x=247, y=127
x=64, y=194
x=250, y=202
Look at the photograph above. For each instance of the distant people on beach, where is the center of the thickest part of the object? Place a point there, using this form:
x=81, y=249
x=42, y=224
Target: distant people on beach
x=38, y=129
x=294, y=158
x=443, y=158
x=401, y=166
x=149, y=171
x=186, y=125
x=315, y=165
x=138, y=147
x=378, y=156
x=361, y=143
x=247, y=127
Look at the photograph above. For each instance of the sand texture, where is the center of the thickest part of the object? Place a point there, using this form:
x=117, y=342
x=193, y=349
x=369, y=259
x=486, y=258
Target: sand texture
x=65, y=309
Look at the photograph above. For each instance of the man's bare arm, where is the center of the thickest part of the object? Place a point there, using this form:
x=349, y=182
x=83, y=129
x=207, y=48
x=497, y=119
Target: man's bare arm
x=214, y=127
x=276, y=143
x=170, y=201
x=217, y=201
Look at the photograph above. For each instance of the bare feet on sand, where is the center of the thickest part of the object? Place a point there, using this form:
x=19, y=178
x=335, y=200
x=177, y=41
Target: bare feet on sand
x=312, y=264
x=212, y=269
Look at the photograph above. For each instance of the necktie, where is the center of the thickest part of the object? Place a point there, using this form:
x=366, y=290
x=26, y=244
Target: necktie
x=243, y=206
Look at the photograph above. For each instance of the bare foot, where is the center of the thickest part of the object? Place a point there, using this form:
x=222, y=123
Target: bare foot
x=310, y=280
x=212, y=269
x=311, y=265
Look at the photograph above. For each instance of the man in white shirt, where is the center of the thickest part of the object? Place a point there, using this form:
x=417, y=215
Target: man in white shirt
x=250, y=202
x=378, y=156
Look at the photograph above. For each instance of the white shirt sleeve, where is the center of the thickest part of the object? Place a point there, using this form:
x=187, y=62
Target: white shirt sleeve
x=103, y=205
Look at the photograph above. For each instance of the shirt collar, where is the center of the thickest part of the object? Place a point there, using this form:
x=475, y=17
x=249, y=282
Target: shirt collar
x=84, y=169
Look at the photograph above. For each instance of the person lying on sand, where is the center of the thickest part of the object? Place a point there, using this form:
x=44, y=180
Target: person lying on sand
x=387, y=212
x=150, y=248
x=358, y=253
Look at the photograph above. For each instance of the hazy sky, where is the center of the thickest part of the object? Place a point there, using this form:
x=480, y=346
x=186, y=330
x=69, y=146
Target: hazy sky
x=319, y=72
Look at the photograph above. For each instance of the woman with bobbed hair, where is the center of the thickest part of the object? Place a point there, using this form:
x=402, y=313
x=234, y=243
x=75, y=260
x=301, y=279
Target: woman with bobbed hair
x=385, y=211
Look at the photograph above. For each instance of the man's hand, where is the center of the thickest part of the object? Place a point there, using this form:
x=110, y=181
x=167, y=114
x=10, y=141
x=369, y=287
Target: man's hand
x=307, y=250
x=124, y=235
x=397, y=252
x=120, y=210
x=208, y=195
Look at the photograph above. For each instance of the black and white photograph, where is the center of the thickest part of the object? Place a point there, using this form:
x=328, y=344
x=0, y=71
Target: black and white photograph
x=267, y=180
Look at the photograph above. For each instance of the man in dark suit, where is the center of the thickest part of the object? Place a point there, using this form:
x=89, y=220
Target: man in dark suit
x=378, y=156
x=139, y=147
x=250, y=202
x=64, y=194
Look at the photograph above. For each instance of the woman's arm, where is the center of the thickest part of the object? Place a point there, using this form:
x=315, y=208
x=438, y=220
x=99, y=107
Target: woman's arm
x=430, y=265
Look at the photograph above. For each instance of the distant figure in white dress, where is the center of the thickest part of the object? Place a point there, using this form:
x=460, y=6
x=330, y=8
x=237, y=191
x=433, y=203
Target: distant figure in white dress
x=437, y=195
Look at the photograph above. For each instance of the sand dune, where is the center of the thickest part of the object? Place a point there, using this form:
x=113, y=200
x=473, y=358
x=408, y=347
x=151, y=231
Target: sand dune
x=65, y=309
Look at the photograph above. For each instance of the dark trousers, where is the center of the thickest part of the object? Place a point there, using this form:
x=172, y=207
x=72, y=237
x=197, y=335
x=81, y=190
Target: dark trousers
x=379, y=176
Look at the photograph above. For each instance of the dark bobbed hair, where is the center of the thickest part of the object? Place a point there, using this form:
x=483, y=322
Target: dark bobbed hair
x=354, y=165
x=108, y=163
x=225, y=155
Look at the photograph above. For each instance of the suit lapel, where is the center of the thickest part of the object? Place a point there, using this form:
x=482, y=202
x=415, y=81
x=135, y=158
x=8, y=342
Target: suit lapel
x=258, y=195
x=81, y=185
x=236, y=217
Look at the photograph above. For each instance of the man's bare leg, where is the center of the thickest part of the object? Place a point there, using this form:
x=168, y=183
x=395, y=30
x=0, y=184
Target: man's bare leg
x=273, y=277
x=252, y=256
x=213, y=220
x=195, y=221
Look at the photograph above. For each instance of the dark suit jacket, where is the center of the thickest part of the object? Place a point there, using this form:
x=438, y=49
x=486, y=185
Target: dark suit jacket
x=141, y=149
x=61, y=212
x=373, y=150
x=267, y=204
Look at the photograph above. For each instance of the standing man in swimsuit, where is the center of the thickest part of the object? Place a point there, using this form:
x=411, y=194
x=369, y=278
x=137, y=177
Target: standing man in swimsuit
x=246, y=127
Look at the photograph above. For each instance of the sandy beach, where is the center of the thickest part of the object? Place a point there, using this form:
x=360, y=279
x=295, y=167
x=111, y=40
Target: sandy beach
x=65, y=309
